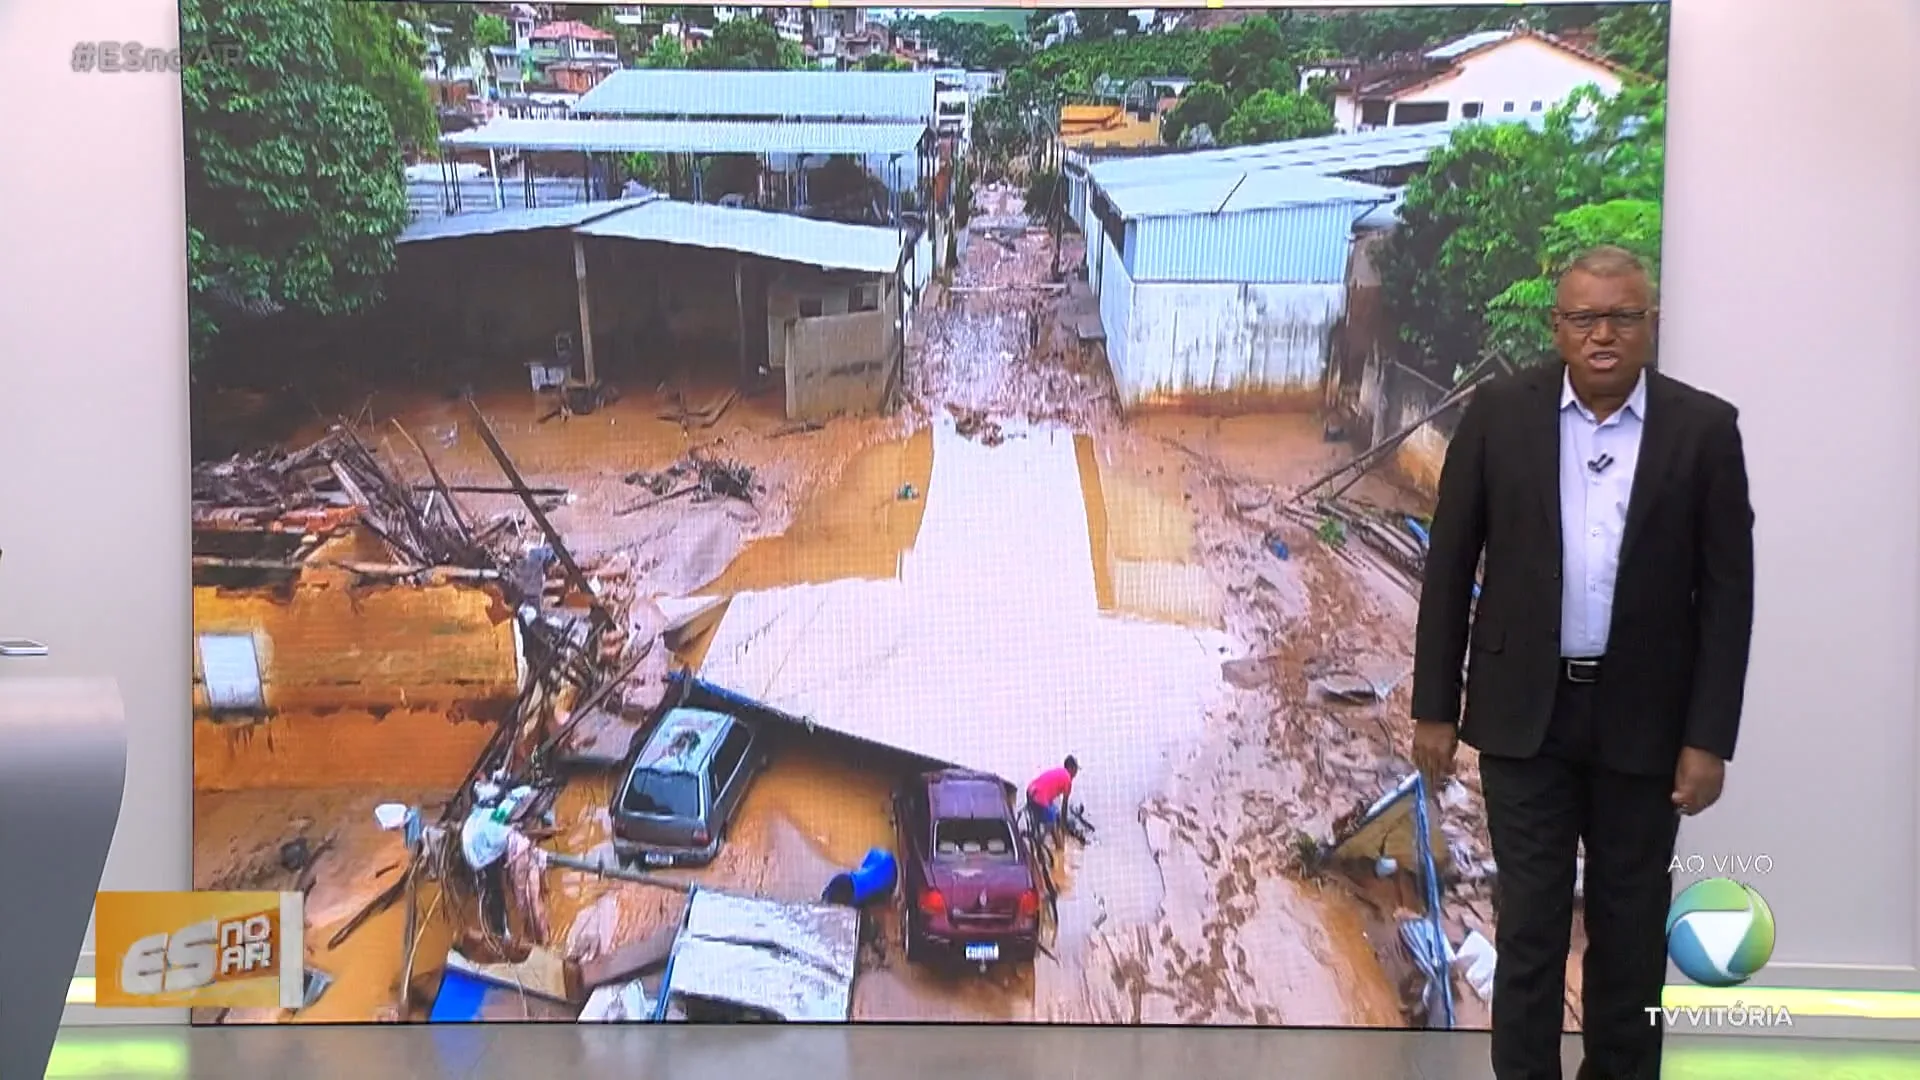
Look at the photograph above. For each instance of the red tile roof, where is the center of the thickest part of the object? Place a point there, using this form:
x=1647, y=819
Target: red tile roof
x=569, y=30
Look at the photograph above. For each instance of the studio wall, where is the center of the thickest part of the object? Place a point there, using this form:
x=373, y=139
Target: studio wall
x=1836, y=561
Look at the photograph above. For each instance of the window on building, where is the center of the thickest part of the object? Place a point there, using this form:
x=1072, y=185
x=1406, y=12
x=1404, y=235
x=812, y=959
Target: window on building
x=1470, y=111
x=1508, y=107
x=1420, y=112
x=230, y=670
x=863, y=298
x=1538, y=106
x=812, y=307
x=1373, y=113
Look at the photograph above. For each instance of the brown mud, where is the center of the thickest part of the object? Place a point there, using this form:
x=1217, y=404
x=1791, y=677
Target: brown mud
x=1012, y=555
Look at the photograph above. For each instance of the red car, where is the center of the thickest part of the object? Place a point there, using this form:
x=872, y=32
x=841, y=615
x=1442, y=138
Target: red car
x=970, y=888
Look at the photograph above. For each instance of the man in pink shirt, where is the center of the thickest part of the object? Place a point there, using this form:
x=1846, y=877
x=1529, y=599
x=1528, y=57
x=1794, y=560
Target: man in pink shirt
x=1047, y=795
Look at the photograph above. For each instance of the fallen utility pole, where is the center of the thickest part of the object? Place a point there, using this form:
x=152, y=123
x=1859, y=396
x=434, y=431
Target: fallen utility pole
x=575, y=576
x=394, y=570
x=612, y=873
x=1366, y=459
x=492, y=489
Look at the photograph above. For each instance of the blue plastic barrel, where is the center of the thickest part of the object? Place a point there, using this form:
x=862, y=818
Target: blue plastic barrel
x=872, y=880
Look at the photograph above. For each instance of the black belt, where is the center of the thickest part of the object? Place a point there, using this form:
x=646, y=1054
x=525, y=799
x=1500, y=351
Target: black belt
x=1581, y=670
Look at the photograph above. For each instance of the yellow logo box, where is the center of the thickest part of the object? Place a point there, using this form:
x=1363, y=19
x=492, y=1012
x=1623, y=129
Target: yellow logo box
x=175, y=950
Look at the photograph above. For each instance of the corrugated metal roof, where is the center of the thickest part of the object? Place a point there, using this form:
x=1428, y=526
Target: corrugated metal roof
x=1383, y=148
x=497, y=222
x=829, y=244
x=693, y=136
x=1216, y=191
x=1304, y=243
x=850, y=95
x=1469, y=43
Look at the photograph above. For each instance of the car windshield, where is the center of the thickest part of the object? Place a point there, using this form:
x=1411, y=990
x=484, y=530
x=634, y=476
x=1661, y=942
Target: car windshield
x=662, y=794
x=957, y=838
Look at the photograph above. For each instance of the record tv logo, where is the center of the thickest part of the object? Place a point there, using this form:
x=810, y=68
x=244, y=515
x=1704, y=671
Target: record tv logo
x=1720, y=932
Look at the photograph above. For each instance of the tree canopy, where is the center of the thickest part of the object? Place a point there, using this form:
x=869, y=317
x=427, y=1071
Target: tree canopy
x=1493, y=219
x=294, y=174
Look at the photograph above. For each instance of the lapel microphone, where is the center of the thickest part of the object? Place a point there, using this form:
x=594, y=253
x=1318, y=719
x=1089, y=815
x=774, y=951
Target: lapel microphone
x=1599, y=465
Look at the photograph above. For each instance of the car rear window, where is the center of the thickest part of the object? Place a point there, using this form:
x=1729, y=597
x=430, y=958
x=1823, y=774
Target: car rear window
x=957, y=838
x=662, y=794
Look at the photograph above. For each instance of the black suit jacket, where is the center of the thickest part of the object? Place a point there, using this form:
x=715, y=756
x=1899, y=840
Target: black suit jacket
x=1676, y=663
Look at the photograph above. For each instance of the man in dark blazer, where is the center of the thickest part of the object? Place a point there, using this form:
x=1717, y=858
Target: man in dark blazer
x=1603, y=509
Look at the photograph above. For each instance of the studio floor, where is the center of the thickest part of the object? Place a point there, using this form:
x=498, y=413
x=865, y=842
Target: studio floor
x=999, y=1053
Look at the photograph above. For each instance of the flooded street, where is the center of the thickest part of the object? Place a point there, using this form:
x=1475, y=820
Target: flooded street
x=1003, y=573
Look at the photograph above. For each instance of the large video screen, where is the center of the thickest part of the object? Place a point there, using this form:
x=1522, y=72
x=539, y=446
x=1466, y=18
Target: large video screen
x=674, y=488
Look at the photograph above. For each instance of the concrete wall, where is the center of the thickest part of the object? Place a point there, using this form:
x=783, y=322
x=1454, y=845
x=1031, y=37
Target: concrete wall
x=330, y=647
x=840, y=361
x=394, y=685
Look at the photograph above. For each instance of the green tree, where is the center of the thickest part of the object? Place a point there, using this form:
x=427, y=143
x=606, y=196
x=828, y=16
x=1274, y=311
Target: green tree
x=666, y=53
x=294, y=181
x=1272, y=116
x=1252, y=56
x=746, y=45
x=383, y=56
x=1636, y=36
x=1094, y=23
x=1204, y=104
x=1482, y=216
x=1519, y=324
x=491, y=32
x=885, y=62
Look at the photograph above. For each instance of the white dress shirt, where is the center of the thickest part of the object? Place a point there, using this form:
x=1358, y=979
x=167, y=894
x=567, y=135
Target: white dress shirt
x=1597, y=460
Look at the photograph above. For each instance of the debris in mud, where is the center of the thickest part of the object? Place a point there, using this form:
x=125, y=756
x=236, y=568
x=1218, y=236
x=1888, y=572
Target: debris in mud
x=700, y=416
x=1249, y=673
x=975, y=424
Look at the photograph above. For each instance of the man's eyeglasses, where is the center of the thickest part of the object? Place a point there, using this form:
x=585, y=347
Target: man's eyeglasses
x=1586, y=321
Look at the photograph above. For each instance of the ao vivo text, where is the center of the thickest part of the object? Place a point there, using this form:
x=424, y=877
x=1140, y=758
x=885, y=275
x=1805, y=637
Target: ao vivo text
x=201, y=955
x=1736, y=866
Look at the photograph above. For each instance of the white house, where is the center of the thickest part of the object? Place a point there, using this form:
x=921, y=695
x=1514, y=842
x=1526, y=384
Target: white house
x=1494, y=73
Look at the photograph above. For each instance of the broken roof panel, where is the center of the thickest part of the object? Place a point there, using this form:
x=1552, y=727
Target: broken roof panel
x=819, y=95
x=831, y=245
x=1326, y=156
x=792, y=961
x=663, y=136
x=1227, y=192
x=496, y=222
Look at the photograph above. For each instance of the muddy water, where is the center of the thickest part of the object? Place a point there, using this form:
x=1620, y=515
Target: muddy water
x=1053, y=602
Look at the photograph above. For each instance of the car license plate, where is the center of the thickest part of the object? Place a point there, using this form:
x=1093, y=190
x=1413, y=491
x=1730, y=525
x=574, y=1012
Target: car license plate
x=983, y=953
x=658, y=858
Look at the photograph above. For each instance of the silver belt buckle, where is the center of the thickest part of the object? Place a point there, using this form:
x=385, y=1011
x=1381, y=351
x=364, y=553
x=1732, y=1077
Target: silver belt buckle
x=1582, y=671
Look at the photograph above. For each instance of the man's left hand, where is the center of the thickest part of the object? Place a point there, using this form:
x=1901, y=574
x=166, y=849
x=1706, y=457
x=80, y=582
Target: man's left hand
x=1697, y=781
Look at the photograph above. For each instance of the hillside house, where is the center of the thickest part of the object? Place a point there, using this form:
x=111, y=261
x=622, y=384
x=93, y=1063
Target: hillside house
x=1493, y=74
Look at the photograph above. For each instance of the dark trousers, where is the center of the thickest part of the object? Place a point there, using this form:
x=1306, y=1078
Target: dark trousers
x=1539, y=810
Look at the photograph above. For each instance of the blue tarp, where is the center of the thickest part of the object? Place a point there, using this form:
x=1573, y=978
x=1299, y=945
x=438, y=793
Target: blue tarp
x=460, y=999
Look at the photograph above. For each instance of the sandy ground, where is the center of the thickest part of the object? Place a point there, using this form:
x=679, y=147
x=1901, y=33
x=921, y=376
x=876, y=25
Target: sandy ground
x=1190, y=905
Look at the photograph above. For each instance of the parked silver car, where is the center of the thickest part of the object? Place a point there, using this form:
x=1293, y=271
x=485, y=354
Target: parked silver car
x=683, y=786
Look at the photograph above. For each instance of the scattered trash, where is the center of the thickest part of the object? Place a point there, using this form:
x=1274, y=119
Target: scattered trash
x=1476, y=960
x=1279, y=548
x=908, y=493
x=1386, y=867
